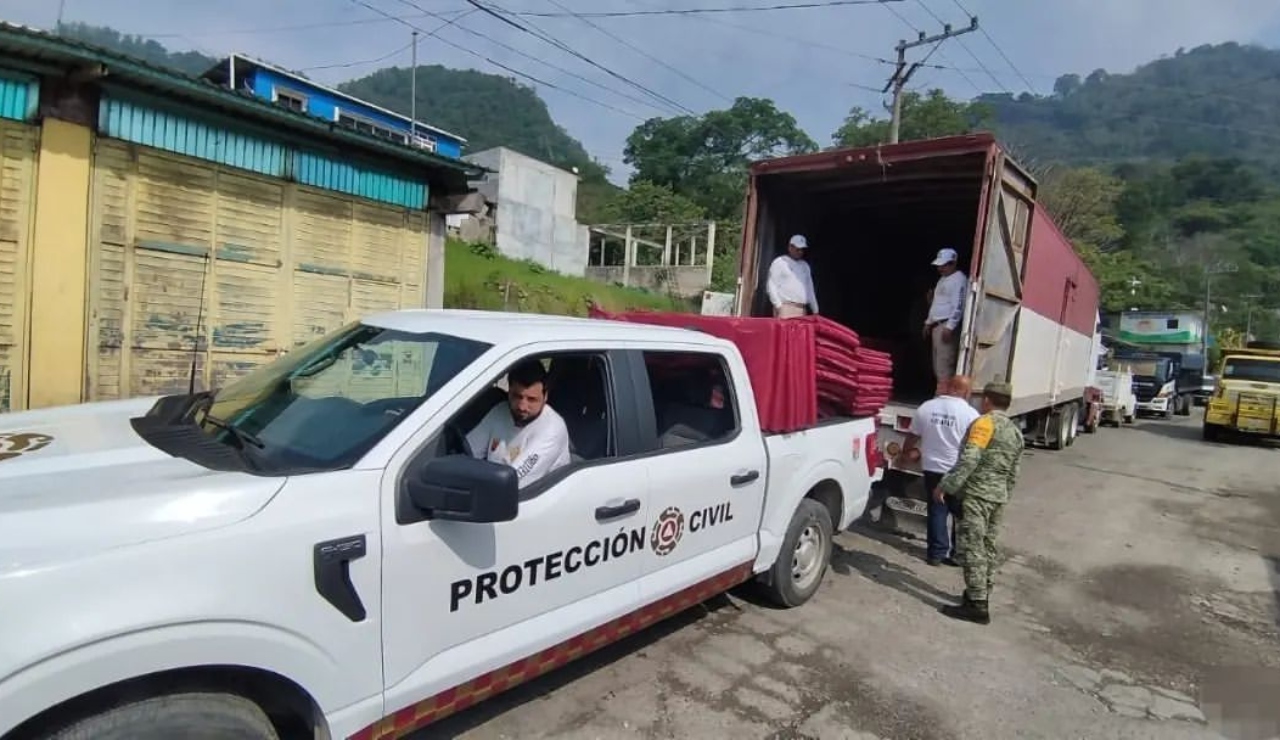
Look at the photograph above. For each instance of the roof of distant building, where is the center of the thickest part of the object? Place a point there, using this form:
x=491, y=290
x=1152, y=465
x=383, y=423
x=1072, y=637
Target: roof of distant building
x=44, y=52
x=219, y=73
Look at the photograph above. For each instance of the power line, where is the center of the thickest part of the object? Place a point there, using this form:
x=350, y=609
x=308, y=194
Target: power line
x=1000, y=51
x=642, y=52
x=703, y=11
x=963, y=45
x=547, y=38
x=902, y=73
x=919, y=32
x=361, y=63
x=254, y=30
x=539, y=60
x=500, y=65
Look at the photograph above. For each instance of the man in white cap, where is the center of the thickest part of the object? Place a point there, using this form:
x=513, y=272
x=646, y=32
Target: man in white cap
x=790, y=284
x=945, y=311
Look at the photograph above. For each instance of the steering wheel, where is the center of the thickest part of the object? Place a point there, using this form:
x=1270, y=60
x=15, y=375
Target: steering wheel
x=456, y=439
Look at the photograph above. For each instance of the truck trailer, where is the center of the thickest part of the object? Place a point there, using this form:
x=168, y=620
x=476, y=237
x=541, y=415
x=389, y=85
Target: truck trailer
x=875, y=217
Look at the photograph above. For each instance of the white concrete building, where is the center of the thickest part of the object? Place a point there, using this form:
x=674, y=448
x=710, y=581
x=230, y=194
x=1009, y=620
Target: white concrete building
x=533, y=211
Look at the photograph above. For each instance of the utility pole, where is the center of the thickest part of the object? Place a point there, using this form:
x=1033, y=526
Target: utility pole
x=1219, y=268
x=413, y=94
x=902, y=73
x=1248, y=331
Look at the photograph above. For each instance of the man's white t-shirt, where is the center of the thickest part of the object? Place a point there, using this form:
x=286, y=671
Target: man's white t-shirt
x=534, y=450
x=790, y=281
x=941, y=424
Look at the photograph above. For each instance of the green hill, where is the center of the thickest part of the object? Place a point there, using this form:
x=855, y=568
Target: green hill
x=1215, y=100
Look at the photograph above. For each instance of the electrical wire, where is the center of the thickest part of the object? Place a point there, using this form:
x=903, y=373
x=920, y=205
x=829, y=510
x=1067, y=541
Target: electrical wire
x=539, y=60
x=546, y=38
x=504, y=67
x=965, y=46
x=639, y=50
x=917, y=30
x=702, y=11
x=384, y=57
x=1000, y=51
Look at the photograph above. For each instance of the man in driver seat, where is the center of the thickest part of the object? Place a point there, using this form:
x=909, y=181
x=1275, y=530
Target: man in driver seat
x=525, y=433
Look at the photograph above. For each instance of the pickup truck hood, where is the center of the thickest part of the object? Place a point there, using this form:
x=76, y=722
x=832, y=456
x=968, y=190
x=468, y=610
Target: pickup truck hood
x=77, y=480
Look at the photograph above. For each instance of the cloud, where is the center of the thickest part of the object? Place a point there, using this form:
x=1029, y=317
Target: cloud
x=815, y=63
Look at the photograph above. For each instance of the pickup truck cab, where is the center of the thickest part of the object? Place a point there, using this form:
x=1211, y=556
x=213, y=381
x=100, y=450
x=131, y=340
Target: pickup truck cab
x=315, y=551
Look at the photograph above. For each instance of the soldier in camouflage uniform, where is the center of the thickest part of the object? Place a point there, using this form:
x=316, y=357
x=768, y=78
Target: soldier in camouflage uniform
x=982, y=479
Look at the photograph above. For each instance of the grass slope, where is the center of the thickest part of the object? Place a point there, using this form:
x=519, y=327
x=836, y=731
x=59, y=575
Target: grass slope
x=477, y=277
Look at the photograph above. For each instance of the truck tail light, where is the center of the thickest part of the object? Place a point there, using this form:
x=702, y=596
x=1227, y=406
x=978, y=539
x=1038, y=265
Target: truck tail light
x=871, y=452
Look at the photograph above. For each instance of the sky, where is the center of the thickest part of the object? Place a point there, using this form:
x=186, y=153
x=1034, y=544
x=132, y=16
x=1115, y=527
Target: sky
x=813, y=62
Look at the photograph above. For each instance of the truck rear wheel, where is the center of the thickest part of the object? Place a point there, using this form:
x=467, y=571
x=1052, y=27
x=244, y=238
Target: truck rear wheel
x=1212, y=432
x=190, y=716
x=806, y=552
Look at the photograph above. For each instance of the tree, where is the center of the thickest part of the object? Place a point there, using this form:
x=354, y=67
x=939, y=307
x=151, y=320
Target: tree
x=923, y=117
x=647, y=203
x=1083, y=202
x=705, y=158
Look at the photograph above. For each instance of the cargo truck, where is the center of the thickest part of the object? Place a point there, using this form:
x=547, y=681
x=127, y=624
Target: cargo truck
x=1246, y=398
x=1177, y=336
x=875, y=217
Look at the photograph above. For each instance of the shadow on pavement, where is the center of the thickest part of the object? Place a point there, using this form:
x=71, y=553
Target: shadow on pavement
x=875, y=568
x=495, y=706
x=1191, y=432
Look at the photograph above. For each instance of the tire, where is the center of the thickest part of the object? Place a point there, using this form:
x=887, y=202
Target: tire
x=1128, y=418
x=810, y=531
x=1073, y=424
x=1211, y=432
x=189, y=716
x=1057, y=431
x=1184, y=407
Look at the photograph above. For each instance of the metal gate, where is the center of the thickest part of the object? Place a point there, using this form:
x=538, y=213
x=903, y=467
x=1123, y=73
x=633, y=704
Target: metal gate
x=18, y=143
x=194, y=262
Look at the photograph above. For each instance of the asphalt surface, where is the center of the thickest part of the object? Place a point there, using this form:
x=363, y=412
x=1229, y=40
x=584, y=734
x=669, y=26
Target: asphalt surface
x=1139, y=600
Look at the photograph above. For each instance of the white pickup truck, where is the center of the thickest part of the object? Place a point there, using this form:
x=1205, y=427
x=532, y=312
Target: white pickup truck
x=312, y=551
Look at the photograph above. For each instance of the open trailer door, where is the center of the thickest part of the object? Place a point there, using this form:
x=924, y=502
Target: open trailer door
x=996, y=272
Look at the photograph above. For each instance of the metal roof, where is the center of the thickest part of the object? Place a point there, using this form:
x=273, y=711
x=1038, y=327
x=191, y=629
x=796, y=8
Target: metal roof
x=220, y=70
x=45, y=52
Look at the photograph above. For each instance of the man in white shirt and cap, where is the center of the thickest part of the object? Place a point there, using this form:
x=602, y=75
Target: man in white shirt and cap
x=525, y=432
x=790, y=283
x=945, y=311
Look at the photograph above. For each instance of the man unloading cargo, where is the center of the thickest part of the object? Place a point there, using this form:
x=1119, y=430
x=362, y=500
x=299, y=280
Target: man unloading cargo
x=790, y=283
x=945, y=311
x=983, y=480
x=939, y=427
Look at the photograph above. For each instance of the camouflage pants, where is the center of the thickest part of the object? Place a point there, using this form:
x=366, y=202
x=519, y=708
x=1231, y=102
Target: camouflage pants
x=978, y=531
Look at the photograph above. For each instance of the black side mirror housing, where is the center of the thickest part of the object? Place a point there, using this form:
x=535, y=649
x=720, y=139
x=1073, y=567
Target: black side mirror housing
x=461, y=488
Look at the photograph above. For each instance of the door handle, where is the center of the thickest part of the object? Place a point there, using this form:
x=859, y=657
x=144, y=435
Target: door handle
x=630, y=506
x=742, y=479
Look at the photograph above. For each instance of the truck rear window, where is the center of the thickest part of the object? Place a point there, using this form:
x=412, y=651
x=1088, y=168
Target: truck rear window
x=1251, y=369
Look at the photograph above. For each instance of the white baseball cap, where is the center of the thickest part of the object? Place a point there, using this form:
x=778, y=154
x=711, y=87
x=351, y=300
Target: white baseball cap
x=799, y=242
x=945, y=255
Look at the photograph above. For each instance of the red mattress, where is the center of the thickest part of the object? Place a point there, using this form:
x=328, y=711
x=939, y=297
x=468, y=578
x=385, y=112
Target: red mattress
x=801, y=369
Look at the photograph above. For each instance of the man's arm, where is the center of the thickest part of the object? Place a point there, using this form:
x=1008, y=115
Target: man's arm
x=957, y=312
x=975, y=444
x=478, y=438
x=540, y=454
x=772, y=283
x=1014, y=470
x=809, y=290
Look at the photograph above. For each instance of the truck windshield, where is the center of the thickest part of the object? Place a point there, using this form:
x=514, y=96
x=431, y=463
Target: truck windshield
x=1148, y=368
x=1251, y=369
x=327, y=403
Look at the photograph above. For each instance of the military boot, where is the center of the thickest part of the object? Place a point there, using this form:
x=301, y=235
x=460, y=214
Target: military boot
x=969, y=611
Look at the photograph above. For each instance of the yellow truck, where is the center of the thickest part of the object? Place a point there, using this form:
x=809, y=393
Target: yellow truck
x=1246, y=397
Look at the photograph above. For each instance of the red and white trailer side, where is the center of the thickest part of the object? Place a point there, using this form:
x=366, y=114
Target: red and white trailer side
x=874, y=218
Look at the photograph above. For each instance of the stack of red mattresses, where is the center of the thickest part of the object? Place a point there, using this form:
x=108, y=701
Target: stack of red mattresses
x=800, y=369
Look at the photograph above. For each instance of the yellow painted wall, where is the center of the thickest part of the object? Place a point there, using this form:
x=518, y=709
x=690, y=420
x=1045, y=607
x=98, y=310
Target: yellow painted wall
x=58, y=265
x=261, y=265
x=18, y=142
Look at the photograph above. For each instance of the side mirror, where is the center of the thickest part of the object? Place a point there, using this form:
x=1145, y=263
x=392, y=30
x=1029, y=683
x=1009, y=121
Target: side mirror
x=461, y=488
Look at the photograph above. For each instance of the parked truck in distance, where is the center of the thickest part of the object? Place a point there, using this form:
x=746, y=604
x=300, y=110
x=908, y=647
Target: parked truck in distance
x=322, y=549
x=1167, y=350
x=1246, y=399
x=875, y=217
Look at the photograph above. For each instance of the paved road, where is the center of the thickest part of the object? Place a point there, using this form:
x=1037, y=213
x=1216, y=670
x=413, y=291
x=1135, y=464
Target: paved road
x=1139, y=601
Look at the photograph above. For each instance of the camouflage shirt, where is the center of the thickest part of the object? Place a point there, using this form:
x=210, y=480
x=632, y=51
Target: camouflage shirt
x=989, y=461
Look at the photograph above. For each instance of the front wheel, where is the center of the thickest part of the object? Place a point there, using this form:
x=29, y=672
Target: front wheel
x=806, y=551
x=192, y=716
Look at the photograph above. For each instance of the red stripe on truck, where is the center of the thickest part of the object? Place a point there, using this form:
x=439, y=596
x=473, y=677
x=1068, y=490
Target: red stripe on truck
x=450, y=701
x=1051, y=262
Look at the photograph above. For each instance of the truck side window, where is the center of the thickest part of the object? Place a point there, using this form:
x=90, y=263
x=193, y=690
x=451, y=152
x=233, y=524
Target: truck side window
x=577, y=390
x=693, y=401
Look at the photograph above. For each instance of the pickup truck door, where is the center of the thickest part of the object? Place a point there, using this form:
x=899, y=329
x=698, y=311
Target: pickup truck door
x=706, y=497
x=465, y=604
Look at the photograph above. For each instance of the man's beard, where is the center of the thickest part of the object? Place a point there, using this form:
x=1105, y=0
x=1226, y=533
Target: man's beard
x=522, y=423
